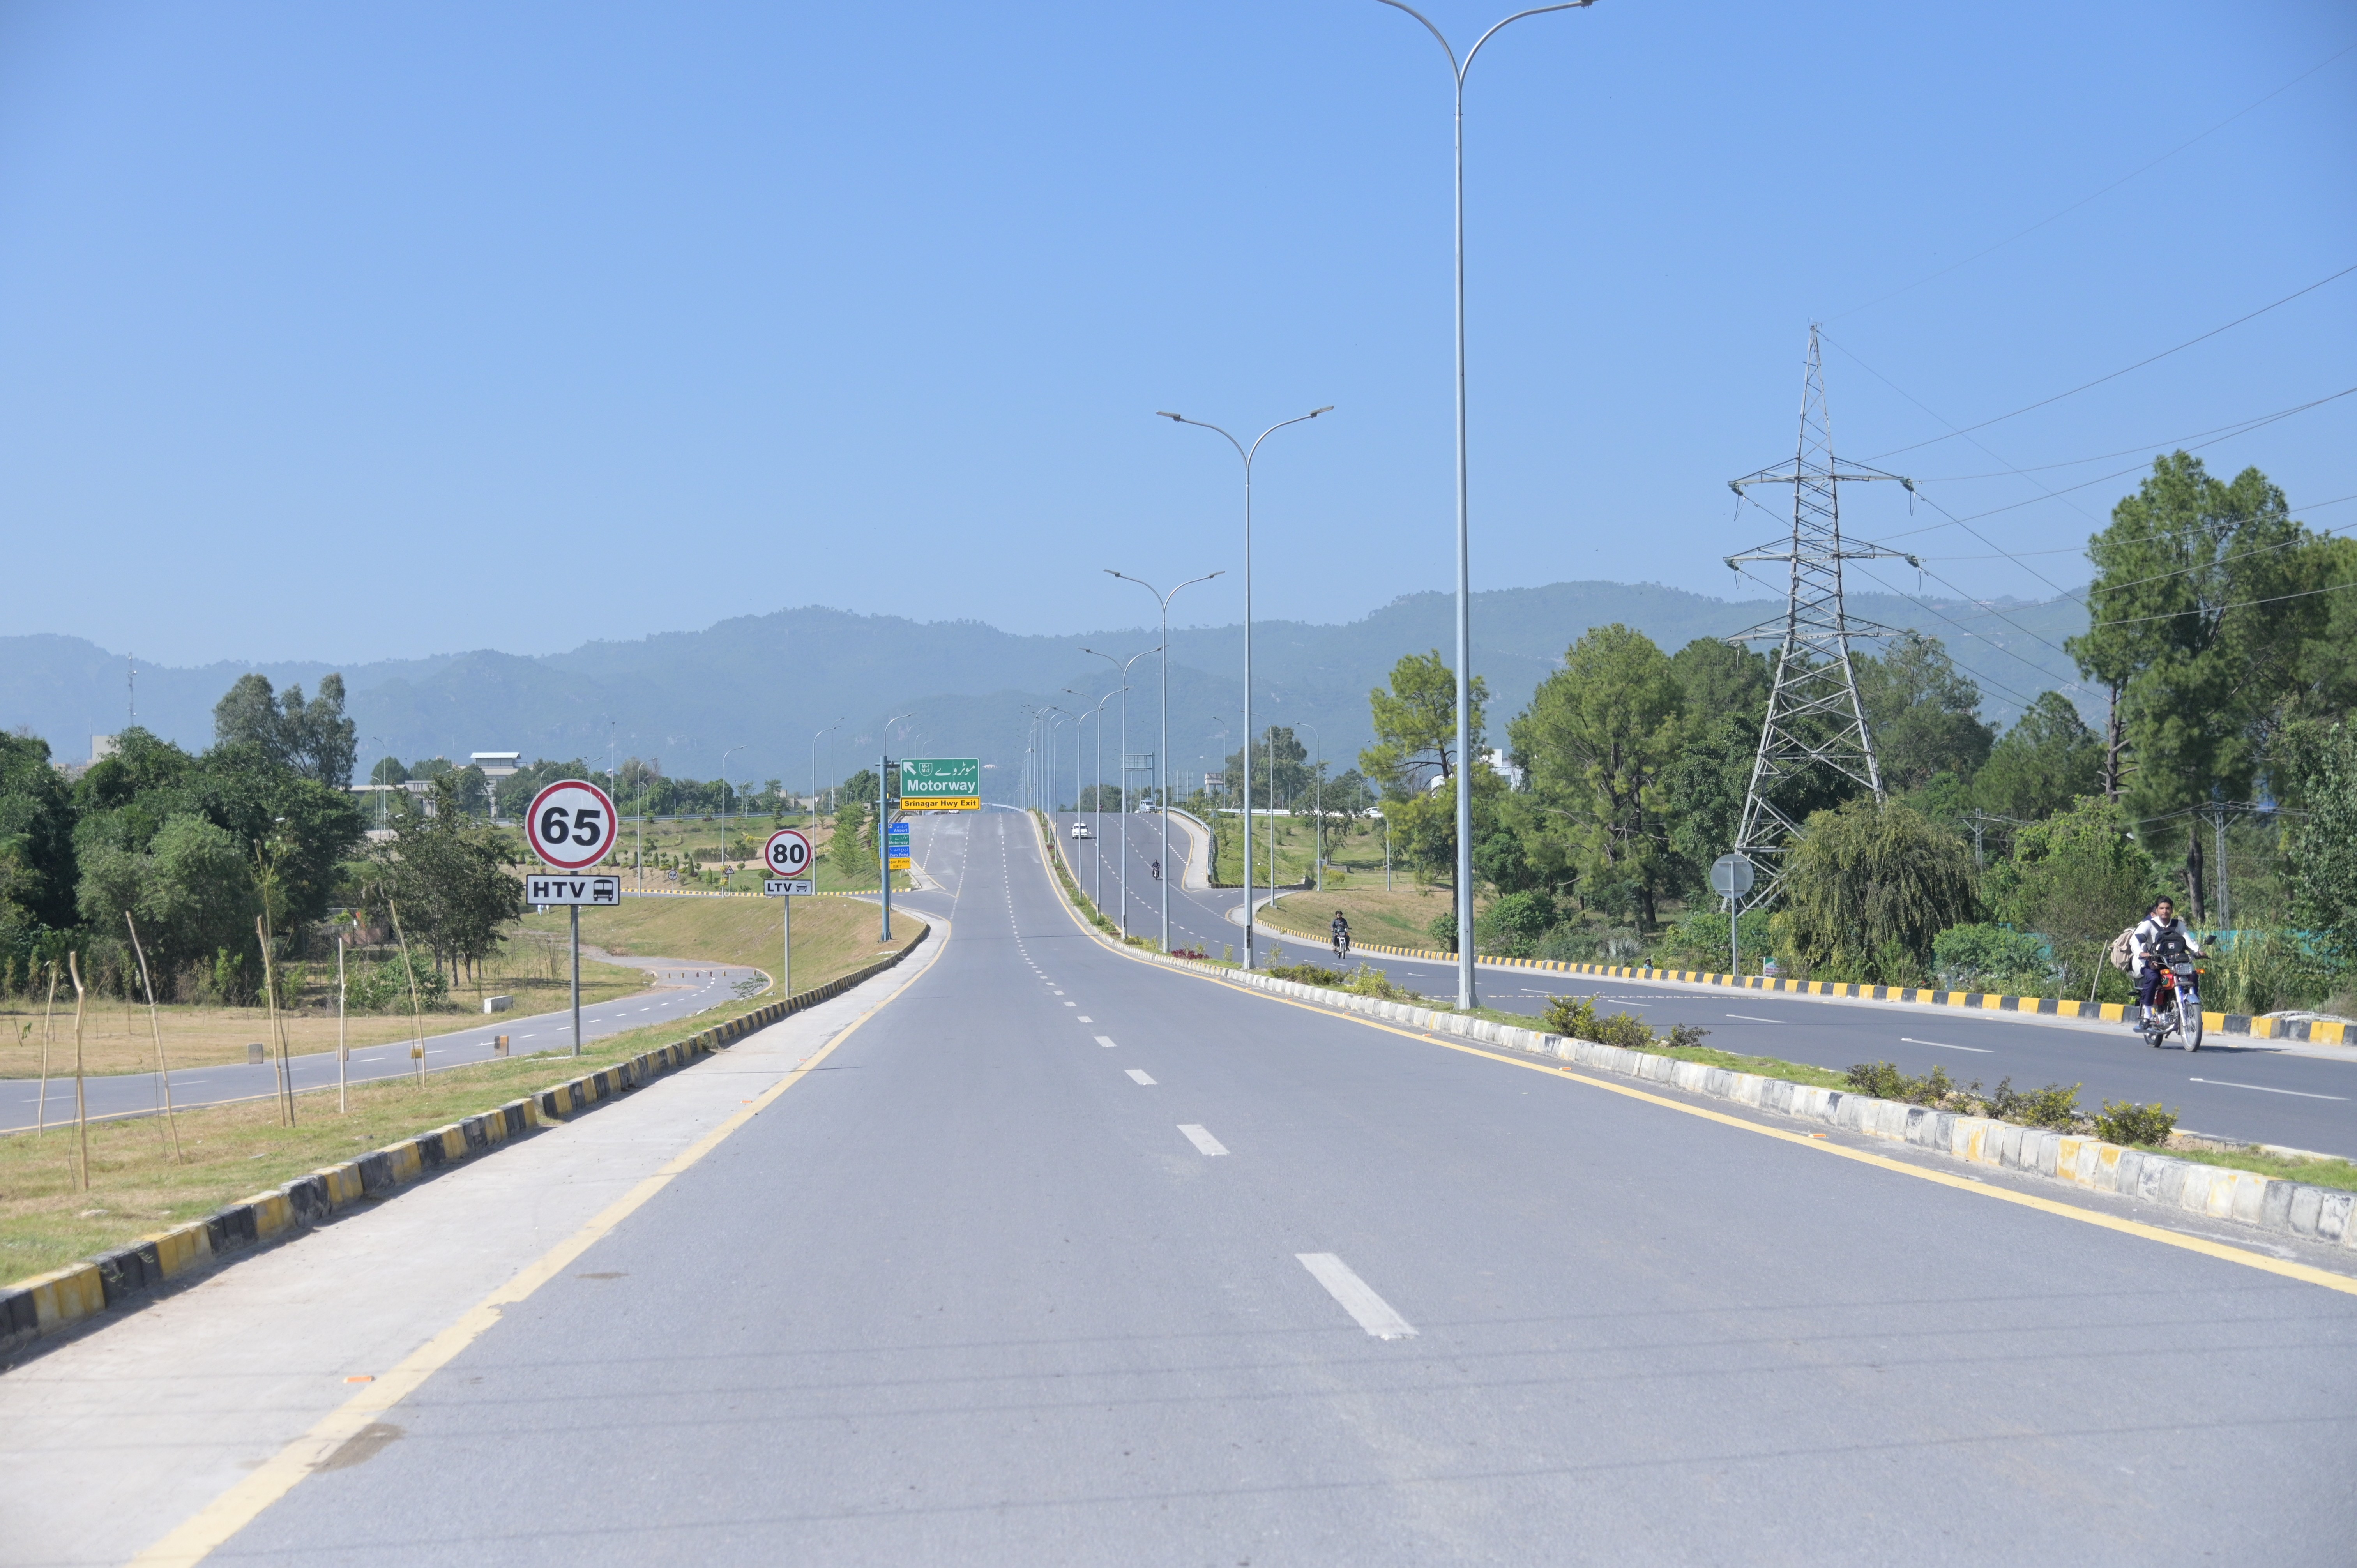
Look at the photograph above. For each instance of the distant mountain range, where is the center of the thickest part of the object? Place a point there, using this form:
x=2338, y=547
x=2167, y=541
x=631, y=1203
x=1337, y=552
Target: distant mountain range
x=760, y=685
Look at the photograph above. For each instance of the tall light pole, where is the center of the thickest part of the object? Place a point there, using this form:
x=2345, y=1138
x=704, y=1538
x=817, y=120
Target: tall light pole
x=1162, y=756
x=1125, y=807
x=1318, y=811
x=724, y=808
x=814, y=735
x=1248, y=453
x=1456, y=70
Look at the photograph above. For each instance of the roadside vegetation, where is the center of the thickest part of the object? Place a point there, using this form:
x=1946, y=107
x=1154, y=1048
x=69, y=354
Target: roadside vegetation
x=1998, y=861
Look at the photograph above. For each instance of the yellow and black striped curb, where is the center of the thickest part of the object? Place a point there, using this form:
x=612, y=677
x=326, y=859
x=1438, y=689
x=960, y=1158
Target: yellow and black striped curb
x=2271, y=1203
x=2318, y=1032
x=63, y=1298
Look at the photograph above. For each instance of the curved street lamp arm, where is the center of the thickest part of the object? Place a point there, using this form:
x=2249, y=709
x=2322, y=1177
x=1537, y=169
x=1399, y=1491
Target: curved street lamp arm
x=1454, y=70
x=1533, y=10
x=1281, y=425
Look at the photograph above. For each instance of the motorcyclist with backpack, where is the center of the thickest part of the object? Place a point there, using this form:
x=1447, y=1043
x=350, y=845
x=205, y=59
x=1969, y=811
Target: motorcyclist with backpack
x=2159, y=936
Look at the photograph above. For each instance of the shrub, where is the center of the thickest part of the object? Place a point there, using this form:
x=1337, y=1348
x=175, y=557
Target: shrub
x=1308, y=973
x=1443, y=930
x=1375, y=983
x=1983, y=957
x=1514, y=925
x=1684, y=1036
x=1883, y=1080
x=1568, y=944
x=1699, y=941
x=383, y=988
x=2124, y=1122
x=2052, y=1106
x=2261, y=972
x=1576, y=1017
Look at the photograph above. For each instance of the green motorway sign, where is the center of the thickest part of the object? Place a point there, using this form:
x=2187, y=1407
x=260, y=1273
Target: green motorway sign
x=941, y=784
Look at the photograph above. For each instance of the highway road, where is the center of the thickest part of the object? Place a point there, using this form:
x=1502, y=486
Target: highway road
x=681, y=987
x=1061, y=1257
x=2282, y=1092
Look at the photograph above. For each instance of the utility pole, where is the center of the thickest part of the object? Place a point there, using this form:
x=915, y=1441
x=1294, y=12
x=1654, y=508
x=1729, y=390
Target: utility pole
x=1815, y=718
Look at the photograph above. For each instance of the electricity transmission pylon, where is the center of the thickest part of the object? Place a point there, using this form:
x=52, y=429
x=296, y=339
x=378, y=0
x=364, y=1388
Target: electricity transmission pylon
x=1815, y=718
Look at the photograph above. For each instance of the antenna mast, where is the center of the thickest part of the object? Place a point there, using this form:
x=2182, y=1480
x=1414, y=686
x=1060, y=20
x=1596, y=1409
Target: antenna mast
x=1815, y=718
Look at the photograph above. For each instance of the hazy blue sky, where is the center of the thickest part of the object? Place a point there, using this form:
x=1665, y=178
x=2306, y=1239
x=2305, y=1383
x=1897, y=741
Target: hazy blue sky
x=359, y=329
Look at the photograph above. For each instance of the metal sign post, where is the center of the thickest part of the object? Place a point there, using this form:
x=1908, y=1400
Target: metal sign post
x=788, y=856
x=1732, y=875
x=570, y=825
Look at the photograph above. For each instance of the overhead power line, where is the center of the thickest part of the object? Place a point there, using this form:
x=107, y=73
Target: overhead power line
x=2221, y=431
x=2141, y=364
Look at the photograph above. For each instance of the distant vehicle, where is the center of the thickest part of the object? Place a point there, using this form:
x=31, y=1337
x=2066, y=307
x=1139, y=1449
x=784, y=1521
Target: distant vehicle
x=1081, y=831
x=1146, y=807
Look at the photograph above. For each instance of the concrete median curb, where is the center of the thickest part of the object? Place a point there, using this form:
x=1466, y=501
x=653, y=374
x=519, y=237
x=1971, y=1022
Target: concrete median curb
x=46, y=1304
x=2269, y=1203
x=2321, y=1032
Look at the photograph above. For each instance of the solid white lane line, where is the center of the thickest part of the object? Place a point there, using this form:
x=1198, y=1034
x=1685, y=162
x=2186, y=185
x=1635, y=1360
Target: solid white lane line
x=1105, y=1040
x=1371, y=1312
x=1750, y=1019
x=1204, y=1143
x=1138, y=1076
x=1943, y=1045
x=2262, y=1089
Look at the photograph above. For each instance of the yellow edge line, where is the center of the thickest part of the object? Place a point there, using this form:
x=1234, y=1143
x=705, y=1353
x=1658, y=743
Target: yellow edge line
x=2208, y=1249
x=205, y=1532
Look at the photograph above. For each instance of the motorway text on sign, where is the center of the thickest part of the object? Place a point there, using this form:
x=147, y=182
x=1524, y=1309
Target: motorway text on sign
x=787, y=853
x=570, y=824
x=788, y=888
x=941, y=784
x=540, y=888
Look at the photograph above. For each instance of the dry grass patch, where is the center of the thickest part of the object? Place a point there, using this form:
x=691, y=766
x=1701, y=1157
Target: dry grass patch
x=832, y=936
x=116, y=1037
x=1400, y=919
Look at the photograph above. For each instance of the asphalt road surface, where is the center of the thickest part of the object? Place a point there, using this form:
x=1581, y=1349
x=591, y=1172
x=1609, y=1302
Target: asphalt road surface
x=1064, y=1258
x=2285, y=1093
x=683, y=987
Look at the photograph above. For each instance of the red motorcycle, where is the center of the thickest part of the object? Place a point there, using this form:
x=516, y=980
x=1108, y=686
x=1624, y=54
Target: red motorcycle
x=2176, y=1003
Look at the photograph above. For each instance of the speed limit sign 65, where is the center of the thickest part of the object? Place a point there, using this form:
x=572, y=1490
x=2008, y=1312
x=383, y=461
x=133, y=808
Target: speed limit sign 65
x=787, y=853
x=571, y=825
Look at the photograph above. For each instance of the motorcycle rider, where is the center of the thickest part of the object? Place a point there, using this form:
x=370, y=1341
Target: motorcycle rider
x=2159, y=936
x=1341, y=928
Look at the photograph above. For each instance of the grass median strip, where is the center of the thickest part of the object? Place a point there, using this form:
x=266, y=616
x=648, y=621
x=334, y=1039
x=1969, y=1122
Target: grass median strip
x=230, y=1151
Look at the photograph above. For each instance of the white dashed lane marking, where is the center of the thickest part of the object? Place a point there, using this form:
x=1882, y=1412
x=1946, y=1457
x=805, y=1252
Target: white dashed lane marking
x=1204, y=1143
x=1138, y=1076
x=1371, y=1312
x=1105, y=1040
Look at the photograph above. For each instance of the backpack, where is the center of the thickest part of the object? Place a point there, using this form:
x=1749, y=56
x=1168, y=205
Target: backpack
x=2124, y=951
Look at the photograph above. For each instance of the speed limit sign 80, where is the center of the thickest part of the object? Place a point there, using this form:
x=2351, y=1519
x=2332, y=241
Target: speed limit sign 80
x=787, y=853
x=571, y=825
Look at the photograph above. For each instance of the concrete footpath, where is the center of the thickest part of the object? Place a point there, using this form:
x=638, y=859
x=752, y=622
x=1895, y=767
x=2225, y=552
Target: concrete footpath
x=110, y=1440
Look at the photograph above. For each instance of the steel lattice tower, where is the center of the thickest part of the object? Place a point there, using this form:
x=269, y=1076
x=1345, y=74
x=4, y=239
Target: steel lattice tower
x=1815, y=718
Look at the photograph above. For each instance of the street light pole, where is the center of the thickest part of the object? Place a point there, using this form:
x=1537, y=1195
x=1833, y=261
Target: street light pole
x=1318, y=811
x=1247, y=455
x=814, y=735
x=724, y=808
x=1125, y=808
x=1162, y=756
x=1456, y=70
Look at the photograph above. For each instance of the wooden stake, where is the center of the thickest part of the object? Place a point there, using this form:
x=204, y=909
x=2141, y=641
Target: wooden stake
x=416, y=1010
x=163, y=1068
x=48, y=1014
x=81, y=1111
x=270, y=996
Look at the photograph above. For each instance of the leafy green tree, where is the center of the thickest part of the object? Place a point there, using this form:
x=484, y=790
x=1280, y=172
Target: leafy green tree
x=1415, y=726
x=190, y=888
x=449, y=878
x=388, y=770
x=313, y=739
x=1280, y=774
x=36, y=845
x=1923, y=712
x=2048, y=759
x=2078, y=878
x=1869, y=887
x=2320, y=848
x=2197, y=625
x=1597, y=738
